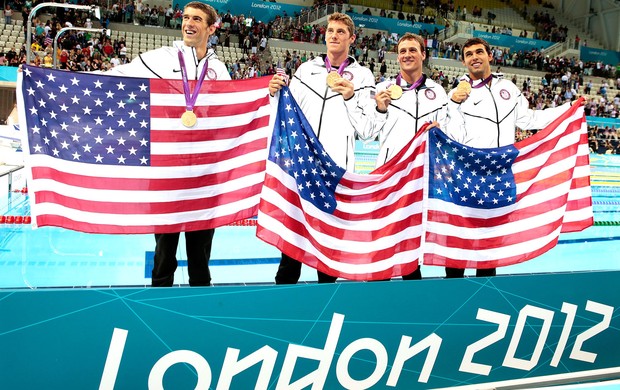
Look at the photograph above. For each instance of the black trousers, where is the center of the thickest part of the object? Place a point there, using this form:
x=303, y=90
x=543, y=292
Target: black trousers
x=415, y=275
x=460, y=272
x=198, y=247
x=289, y=272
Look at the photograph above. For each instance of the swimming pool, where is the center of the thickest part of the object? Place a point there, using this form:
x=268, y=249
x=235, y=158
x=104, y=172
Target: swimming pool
x=54, y=257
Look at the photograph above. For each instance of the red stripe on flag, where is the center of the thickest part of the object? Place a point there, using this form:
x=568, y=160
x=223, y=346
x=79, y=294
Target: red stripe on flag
x=208, y=135
x=209, y=111
x=145, y=184
x=153, y=208
x=213, y=157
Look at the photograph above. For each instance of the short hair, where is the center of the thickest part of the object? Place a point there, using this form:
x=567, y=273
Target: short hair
x=415, y=37
x=342, y=18
x=475, y=41
x=206, y=8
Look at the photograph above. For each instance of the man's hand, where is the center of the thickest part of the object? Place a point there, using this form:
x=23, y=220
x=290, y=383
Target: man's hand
x=275, y=84
x=383, y=100
x=344, y=87
x=459, y=96
x=582, y=102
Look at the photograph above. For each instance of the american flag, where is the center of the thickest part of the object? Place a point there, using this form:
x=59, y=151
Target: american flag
x=359, y=227
x=455, y=205
x=496, y=207
x=110, y=155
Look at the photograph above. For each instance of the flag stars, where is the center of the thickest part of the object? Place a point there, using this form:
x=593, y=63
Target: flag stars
x=63, y=89
x=39, y=84
x=75, y=81
x=76, y=156
x=121, y=159
x=75, y=118
x=75, y=99
x=98, y=84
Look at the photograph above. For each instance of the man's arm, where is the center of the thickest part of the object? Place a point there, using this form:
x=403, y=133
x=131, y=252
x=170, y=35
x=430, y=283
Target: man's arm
x=455, y=120
x=361, y=106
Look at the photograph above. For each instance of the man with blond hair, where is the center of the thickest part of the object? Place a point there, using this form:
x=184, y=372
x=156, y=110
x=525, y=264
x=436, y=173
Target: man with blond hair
x=334, y=93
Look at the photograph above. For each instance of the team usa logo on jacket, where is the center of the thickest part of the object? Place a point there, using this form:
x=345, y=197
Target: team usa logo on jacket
x=347, y=75
x=504, y=94
x=430, y=94
x=211, y=75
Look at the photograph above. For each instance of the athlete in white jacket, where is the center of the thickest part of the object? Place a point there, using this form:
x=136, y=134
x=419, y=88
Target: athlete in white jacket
x=422, y=101
x=198, y=24
x=489, y=113
x=335, y=112
x=485, y=110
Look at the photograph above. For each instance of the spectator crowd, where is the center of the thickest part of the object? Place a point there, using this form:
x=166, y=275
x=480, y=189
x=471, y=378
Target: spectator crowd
x=563, y=78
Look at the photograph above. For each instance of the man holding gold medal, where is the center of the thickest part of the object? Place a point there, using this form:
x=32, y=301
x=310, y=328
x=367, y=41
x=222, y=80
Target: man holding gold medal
x=485, y=109
x=406, y=104
x=188, y=59
x=334, y=93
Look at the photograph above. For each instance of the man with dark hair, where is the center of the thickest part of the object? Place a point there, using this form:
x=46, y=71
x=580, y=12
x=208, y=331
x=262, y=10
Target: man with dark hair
x=190, y=59
x=485, y=109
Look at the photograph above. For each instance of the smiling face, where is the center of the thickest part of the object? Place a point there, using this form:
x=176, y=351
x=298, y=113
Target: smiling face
x=196, y=29
x=410, y=57
x=478, y=61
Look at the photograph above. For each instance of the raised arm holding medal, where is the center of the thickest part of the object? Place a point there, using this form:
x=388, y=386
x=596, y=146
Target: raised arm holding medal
x=334, y=93
x=406, y=104
x=189, y=59
x=485, y=109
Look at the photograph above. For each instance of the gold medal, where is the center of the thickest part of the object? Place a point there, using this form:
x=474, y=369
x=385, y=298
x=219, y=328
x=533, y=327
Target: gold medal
x=396, y=92
x=189, y=119
x=464, y=86
x=332, y=78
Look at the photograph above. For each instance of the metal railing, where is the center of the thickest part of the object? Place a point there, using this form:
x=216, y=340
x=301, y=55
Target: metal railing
x=95, y=10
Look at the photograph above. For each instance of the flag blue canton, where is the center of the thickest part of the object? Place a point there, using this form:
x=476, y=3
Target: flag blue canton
x=295, y=148
x=87, y=118
x=478, y=178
